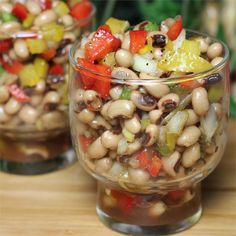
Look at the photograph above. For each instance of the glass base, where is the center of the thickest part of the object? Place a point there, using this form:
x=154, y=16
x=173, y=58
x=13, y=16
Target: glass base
x=148, y=230
x=39, y=167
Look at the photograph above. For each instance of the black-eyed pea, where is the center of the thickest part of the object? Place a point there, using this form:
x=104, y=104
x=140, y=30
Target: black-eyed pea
x=155, y=116
x=218, y=110
x=193, y=118
x=5, y=7
x=143, y=101
x=124, y=58
x=133, y=125
x=12, y=106
x=191, y=155
x=53, y=120
x=33, y=7
x=215, y=50
x=79, y=95
x=40, y=86
x=96, y=150
x=203, y=44
x=126, y=42
x=216, y=61
x=86, y=116
x=133, y=147
x=21, y=49
x=45, y=18
x=151, y=133
x=105, y=109
x=100, y=123
x=138, y=176
x=4, y=94
x=110, y=140
x=115, y=92
x=92, y=100
x=170, y=162
x=4, y=117
x=28, y=114
x=121, y=108
x=189, y=136
x=157, y=209
x=51, y=97
x=168, y=102
x=10, y=27
x=200, y=101
x=67, y=20
x=103, y=165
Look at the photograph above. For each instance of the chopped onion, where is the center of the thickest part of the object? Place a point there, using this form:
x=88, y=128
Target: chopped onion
x=209, y=124
x=142, y=64
x=178, y=42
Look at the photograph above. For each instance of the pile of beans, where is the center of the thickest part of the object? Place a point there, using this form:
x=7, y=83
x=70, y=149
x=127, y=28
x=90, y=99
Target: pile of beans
x=113, y=133
x=35, y=38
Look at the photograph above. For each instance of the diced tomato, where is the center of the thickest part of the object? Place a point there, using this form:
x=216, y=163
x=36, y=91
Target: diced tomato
x=13, y=67
x=48, y=54
x=19, y=10
x=18, y=93
x=125, y=201
x=101, y=44
x=45, y=4
x=96, y=77
x=81, y=10
x=175, y=29
x=85, y=142
x=149, y=161
x=5, y=45
x=56, y=69
x=176, y=195
x=154, y=166
x=137, y=40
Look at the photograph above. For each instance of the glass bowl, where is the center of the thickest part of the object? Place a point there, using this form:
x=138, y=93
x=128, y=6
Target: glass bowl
x=34, y=127
x=120, y=140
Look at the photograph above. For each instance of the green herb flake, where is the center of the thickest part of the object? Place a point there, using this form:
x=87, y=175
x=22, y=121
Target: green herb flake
x=125, y=95
x=151, y=27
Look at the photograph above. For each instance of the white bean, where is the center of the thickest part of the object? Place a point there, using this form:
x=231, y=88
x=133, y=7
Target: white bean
x=33, y=7
x=189, y=136
x=45, y=18
x=21, y=48
x=214, y=50
x=191, y=155
x=200, y=101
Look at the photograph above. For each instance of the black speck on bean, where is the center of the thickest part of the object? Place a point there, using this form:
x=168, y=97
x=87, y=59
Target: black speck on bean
x=158, y=40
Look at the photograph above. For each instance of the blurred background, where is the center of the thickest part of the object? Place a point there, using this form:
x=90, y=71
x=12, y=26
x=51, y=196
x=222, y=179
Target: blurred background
x=215, y=17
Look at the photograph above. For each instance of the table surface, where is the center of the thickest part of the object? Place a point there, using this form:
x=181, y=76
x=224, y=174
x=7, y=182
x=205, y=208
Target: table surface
x=63, y=202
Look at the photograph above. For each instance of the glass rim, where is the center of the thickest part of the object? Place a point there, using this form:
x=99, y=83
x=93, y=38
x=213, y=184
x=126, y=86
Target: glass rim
x=32, y=33
x=166, y=80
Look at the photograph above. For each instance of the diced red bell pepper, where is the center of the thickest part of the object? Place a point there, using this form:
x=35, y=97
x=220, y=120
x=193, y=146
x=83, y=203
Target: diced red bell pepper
x=48, y=54
x=45, y=4
x=125, y=201
x=19, y=10
x=85, y=142
x=137, y=40
x=56, y=69
x=149, y=161
x=13, y=67
x=101, y=44
x=96, y=77
x=190, y=84
x=175, y=29
x=81, y=10
x=176, y=195
x=5, y=45
x=18, y=93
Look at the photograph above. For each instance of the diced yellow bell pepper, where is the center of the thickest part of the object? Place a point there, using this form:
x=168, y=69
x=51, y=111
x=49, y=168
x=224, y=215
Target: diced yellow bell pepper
x=116, y=25
x=191, y=46
x=36, y=46
x=146, y=49
x=28, y=21
x=28, y=76
x=53, y=32
x=61, y=9
x=109, y=60
x=183, y=62
x=41, y=67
